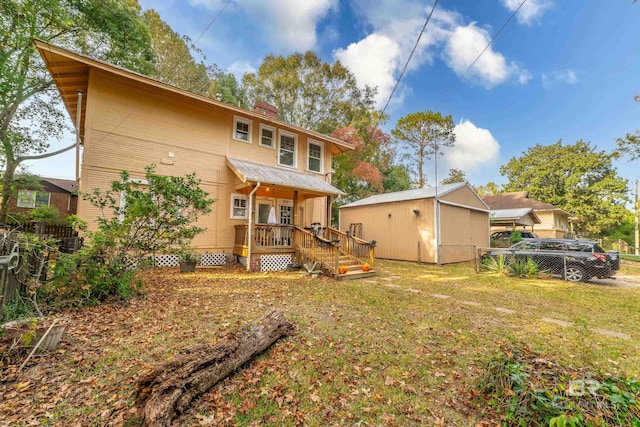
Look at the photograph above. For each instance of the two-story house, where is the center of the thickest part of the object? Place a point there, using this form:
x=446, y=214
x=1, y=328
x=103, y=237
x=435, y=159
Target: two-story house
x=270, y=179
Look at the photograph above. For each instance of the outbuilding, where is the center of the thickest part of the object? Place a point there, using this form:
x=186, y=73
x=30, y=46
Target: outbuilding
x=443, y=224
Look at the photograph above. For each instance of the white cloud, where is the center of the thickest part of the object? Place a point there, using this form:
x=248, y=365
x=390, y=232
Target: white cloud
x=530, y=11
x=289, y=25
x=463, y=47
x=373, y=60
x=474, y=147
x=239, y=68
x=560, y=76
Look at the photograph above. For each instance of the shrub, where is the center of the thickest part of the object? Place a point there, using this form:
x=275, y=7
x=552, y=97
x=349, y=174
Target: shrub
x=150, y=218
x=523, y=267
x=528, y=389
x=48, y=214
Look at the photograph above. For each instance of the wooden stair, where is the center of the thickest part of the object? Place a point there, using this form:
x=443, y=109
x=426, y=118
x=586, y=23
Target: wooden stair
x=353, y=265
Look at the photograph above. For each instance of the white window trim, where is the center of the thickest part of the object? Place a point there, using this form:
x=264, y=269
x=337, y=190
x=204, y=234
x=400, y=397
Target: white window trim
x=240, y=119
x=33, y=198
x=242, y=197
x=273, y=139
x=123, y=198
x=314, y=142
x=282, y=133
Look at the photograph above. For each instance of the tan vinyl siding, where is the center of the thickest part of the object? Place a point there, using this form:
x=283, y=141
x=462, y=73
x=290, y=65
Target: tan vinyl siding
x=396, y=228
x=462, y=230
x=466, y=197
x=130, y=126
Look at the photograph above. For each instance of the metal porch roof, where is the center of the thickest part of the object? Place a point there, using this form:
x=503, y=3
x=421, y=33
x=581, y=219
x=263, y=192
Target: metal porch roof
x=254, y=172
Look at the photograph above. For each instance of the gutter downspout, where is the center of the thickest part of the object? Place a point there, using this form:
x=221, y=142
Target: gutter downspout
x=249, y=233
x=78, y=119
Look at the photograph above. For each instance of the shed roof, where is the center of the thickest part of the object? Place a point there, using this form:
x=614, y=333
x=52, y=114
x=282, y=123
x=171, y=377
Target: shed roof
x=398, y=196
x=254, y=172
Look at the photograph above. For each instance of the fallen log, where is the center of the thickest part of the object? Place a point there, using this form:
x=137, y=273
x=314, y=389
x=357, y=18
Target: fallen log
x=167, y=391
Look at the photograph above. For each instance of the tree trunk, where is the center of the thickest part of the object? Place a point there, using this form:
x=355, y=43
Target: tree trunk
x=166, y=392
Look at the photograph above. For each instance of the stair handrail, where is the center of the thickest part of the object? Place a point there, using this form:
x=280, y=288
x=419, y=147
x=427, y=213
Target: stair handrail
x=316, y=247
x=350, y=244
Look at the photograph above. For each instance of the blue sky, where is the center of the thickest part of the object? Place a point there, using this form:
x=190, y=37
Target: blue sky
x=561, y=69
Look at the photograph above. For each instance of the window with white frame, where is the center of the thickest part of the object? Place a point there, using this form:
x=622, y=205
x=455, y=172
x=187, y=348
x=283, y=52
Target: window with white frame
x=122, y=209
x=267, y=136
x=288, y=145
x=241, y=129
x=314, y=159
x=32, y=199
x=239, y=203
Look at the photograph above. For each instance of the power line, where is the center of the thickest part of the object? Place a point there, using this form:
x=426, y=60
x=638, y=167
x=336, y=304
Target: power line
x=415, y=46
x=212, y=21
x=479, y=55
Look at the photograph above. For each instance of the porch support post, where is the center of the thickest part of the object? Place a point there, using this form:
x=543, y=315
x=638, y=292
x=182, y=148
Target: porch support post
x=296, y=221
x=250, y=229
x=327, y=223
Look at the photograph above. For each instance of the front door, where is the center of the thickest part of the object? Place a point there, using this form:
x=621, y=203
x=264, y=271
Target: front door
x=262, y=213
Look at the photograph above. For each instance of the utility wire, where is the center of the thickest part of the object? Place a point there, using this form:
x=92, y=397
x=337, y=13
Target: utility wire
x=212, y=21
x=415, y=46
x=479, y=55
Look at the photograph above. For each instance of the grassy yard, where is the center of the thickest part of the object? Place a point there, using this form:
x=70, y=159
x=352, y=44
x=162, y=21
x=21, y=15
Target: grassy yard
x=404, y=348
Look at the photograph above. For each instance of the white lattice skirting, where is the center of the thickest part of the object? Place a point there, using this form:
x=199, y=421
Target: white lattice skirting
x=275, y=262
x=206, y=260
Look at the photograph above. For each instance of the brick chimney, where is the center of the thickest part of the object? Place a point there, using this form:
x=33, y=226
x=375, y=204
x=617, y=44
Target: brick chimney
x=266, y=109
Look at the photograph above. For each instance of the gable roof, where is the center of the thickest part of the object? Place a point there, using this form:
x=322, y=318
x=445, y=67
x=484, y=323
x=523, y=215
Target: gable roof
x=518, y=199
x=254, y=172
x=68, y=185
x=70, y=73
x=399, y=196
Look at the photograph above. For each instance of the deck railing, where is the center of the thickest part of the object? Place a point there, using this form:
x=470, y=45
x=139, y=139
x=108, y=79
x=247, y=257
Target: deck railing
x=265, y=236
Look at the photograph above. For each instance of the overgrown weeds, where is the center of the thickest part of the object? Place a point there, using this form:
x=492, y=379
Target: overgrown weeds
x=528, y=389
x=511, y=266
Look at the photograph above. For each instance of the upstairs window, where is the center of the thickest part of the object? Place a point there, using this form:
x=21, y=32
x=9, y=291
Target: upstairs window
x=314, y=162
x=287, y=153
x=267, y=136
x=241, y=129
x=32, y=199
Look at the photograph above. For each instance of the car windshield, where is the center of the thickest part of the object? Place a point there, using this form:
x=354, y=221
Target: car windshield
x=525, y=244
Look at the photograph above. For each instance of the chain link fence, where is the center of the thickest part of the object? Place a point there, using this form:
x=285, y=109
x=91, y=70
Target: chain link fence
x=573, y=262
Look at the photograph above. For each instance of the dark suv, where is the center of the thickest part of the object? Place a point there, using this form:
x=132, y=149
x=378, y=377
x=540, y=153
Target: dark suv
x=502, y=239
x=573, y=260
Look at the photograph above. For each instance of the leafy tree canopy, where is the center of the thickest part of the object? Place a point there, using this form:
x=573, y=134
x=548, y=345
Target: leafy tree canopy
x=30, y=113
x=175, y=64
x=309, y=92
x=423, y=134
x=455, y=176
x=575, y=178
x=488, y=189
x=227, y=87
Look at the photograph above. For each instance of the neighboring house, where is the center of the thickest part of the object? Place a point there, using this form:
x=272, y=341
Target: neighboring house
x=60, y=193
x=270, y=179
x=407, y=226
x=554, y=222
x=517, y=218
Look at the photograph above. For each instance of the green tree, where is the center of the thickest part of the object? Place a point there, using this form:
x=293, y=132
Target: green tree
x=455, y=176
x=308, y=92
x=230, y=91
x=576, y=178
x=137, y=220
x=488, y=189
x=30, y=113
x=175, y=64
x=423, y=134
